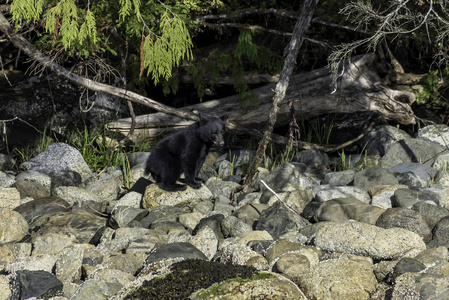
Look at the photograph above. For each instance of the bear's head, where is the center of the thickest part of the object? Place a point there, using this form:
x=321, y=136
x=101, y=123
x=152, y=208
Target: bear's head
x=211, y=129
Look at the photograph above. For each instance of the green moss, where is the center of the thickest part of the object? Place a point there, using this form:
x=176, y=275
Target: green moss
x=188, y=276
x=217, y=288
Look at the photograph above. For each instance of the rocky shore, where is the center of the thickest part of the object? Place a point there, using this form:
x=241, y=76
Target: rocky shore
x=378, y=230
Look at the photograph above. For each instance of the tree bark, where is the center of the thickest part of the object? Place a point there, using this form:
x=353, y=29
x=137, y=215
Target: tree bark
x=359, y=89
x=281, y=87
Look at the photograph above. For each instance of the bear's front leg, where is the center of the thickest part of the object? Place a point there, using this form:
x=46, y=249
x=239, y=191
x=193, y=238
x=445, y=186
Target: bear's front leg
x=189, y=174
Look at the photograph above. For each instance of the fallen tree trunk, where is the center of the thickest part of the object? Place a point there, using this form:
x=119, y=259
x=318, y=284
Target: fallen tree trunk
x=359, y=88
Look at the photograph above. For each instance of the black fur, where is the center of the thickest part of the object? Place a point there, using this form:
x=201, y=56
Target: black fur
x=185, y=151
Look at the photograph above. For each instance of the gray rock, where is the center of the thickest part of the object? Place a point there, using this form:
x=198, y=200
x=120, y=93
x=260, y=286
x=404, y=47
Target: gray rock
x=411, y=150
x=175, y=250
x=278, y=219
x=374, y=176
x=339, y=178
x=233, y=227
x=296, y=201
x=438, y=133
x=44, y=206
x=44, y=262
x=167, y=226
x=51, y=243
x=154, y=197
x=328, y=192
x=162, y=213
x=432, y=284
x=233, y=178
x=33, y=184
x=206, y=241
x=378, y=140
x=144, y=243
x=254, y=236
x=213, y=222
x=21, y=250
x=383, y=200
x=238, y=254
x=414, y=175
x=190, y=220
x=6, y=255
x=14, y=226
x=9, y=198
x=250, y=213
x=406, y=265
x=59, y=157
x=406, y=198
x=219, y=187
x=225, y=168
x=286, y=178
x=407, y=219
x=430, y=212
x=441, y=162
x=442, y=178
x=6, y=180
x=281, y=247
x=121, y=216
x=132, y=199
x=203, y=207
x=108, y=186
x=344, y=209
x=5, y=291
x=137, y=158
x=75, y=194
x=432, y=256
x=368, y=240
x=113, y=276
x=37, y=284
x=130, y=263
x=338, y=279
x=81, y=224
x=65, y=178
x=291, y=263
x=440, y=236
x=68, y=266
x=6, y=162
x=312, y=157
x=96, y=290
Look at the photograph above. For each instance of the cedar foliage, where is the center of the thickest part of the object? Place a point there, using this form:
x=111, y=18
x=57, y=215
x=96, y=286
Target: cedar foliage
x=73, y=25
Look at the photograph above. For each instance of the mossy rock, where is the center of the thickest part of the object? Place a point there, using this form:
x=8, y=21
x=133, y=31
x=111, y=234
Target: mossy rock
x=189, y=276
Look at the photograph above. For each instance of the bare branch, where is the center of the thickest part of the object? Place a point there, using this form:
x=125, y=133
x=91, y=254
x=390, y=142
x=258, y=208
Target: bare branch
x=245, y=12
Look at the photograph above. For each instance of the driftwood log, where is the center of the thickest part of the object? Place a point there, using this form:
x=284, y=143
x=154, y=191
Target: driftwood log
x=359, y=88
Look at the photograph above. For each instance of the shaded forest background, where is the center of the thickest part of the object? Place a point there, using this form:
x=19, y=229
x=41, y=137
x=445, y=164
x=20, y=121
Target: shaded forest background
x=182, y=53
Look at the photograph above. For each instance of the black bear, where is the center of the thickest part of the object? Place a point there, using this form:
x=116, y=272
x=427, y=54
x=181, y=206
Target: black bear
x=185, y=151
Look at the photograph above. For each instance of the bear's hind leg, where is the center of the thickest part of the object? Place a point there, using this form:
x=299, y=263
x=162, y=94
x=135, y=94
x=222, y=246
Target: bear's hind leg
x=170, y=174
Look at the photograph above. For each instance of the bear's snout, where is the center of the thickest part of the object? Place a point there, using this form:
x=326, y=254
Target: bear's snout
x=219, y=141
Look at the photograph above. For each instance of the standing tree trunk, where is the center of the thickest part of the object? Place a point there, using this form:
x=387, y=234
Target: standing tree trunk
x=281, y=87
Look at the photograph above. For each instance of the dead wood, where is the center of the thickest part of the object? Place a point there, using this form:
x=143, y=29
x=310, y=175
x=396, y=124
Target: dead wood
x=359, y=88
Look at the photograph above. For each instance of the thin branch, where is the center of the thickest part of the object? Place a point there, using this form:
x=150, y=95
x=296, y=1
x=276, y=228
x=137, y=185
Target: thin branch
x=245, y=12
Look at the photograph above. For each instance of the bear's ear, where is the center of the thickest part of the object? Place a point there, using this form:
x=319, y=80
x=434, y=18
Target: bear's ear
x=203, y=120
x=224, y=118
